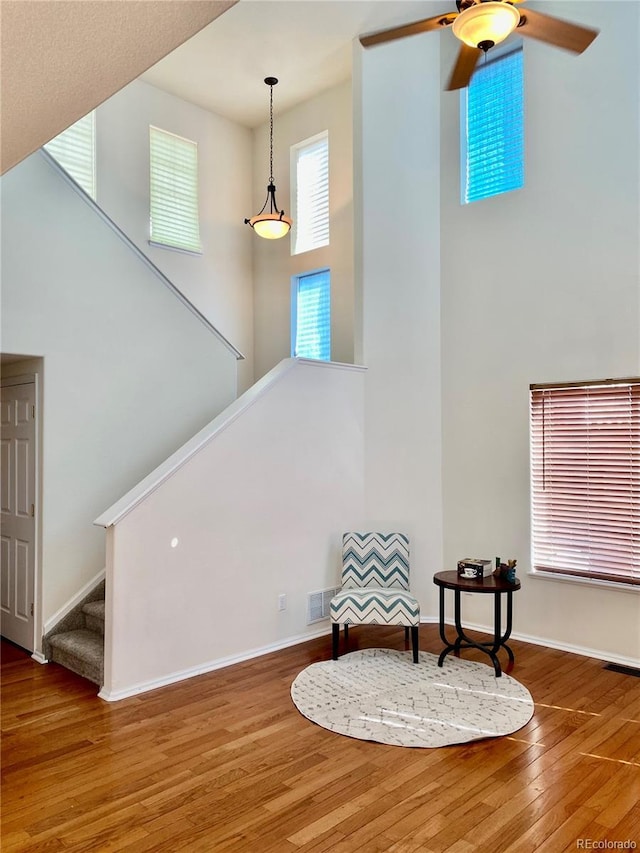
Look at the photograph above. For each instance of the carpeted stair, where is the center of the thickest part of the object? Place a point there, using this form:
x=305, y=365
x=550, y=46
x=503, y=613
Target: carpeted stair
x=77, y=642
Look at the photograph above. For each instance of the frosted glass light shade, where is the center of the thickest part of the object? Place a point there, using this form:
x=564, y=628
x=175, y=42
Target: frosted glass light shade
x=271, y=226
x=486, y=22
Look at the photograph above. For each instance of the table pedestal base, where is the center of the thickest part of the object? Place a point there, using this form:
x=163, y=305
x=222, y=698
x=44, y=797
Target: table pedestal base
x=462, y=641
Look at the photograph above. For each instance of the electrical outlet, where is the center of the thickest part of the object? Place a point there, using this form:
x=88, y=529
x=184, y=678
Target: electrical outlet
x=282, y=601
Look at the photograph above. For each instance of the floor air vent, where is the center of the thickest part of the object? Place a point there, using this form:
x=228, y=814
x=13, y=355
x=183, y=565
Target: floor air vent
x=624, y=670
x=318, y=604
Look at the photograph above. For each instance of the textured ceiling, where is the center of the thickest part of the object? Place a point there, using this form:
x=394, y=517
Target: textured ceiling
x=61, y=58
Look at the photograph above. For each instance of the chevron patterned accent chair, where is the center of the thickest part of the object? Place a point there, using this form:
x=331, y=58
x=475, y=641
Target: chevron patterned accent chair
x=375, y=586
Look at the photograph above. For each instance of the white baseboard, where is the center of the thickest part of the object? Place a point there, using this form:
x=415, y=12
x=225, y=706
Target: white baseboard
x=220, y=663
x=52, y=621
x=38, y=657
x=210, y=666
x=572, y=648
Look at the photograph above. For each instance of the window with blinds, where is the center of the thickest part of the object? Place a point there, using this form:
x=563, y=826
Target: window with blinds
x=75, y=150
x=492, y=122
x=174, y=218
x=310, y=193
x=585, y=480
x=311, y=316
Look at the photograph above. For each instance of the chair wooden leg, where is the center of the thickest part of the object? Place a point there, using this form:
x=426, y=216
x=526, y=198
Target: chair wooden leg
x=335, y=639
x=414, y=641
x=346, y=637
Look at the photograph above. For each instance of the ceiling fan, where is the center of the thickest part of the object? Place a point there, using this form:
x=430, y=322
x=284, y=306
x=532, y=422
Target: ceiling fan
x=481, y=24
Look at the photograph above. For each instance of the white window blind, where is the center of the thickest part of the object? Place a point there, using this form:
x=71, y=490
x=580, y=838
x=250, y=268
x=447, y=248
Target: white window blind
x=311, y=316
x=174, y=191
x=493, y=128
x=310, y=168
x=75, y=150
x=585, y=480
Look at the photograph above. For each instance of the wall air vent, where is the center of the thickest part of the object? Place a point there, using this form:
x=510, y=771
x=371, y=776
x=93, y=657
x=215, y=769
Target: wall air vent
x=318, y=604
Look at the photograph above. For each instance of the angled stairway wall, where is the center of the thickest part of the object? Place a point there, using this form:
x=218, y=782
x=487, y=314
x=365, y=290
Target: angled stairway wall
x=130, y=372
x=251, y=508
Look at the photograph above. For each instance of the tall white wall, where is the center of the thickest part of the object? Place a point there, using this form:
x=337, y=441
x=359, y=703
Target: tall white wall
x=399, y=177
x=541, y=285
x=218, y=282
x=129, y=372
x=464, y=306
x=273, y=263
x=257, y=512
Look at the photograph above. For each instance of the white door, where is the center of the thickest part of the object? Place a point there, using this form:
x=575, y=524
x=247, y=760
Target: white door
x=17, y=505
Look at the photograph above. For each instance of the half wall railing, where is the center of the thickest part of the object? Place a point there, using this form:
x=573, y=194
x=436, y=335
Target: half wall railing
x=247, y=515
x=133, y=247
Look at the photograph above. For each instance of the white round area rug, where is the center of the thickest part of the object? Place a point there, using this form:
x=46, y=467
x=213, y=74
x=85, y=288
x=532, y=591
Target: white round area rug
x=381, y=695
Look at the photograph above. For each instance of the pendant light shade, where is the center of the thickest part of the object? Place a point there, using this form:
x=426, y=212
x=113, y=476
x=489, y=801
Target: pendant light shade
x=486, y=24
x=270, y=223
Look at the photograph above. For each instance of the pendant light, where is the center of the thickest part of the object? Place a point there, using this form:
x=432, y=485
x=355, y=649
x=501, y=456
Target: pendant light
x=270, y=223
x=486, y=24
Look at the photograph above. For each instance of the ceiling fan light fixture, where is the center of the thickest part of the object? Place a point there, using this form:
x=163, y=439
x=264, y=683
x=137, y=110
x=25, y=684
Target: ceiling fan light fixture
x=486, y=24
x=270, y=223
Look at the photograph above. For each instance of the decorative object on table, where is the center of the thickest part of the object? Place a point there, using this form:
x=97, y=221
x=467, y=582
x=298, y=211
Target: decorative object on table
x=474, y=567
x=375, y=586
x=379, y=695
x=506, y=571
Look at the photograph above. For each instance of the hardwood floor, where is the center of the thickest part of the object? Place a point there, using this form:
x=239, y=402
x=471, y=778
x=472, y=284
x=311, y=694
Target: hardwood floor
x=224, y=763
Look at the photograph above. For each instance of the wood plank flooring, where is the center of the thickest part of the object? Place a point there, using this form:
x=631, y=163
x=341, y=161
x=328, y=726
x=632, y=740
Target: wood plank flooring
x=224, y=763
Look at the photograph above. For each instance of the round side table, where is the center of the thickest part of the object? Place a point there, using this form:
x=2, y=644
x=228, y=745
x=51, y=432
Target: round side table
x=491, y=585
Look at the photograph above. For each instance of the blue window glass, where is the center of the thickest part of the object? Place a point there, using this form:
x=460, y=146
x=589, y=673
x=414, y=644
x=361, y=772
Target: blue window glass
x=311, y=316
x=493, y=128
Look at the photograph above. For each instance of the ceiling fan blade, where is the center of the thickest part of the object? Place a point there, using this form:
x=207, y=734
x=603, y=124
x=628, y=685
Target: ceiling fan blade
x=564, y=34
x=424, y=26
x=464, y=67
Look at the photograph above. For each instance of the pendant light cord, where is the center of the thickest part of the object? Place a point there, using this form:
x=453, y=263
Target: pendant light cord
x=271, y=134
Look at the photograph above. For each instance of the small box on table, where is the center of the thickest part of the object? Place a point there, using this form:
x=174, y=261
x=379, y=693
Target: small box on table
x=471, y=567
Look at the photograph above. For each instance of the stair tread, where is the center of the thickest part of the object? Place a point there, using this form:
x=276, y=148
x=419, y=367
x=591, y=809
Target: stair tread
x=80, y=642
x=94, y=608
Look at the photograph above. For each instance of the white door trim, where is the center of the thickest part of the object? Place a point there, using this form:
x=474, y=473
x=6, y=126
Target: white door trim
x=27, y=379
